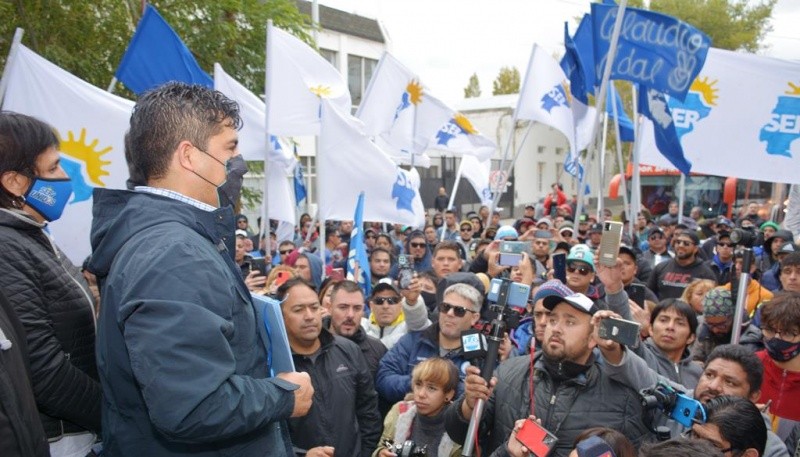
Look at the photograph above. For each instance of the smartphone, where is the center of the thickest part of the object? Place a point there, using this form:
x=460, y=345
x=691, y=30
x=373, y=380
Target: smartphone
x=509, y=259
x=560, y=267
x=337, y=274
x=536, y=438
x=620, y=330
x=609, y=243
x=260, y=265
x=516, y=294
x=636, y=293
x=405, y=270
x=282, y=277
x=515, y=247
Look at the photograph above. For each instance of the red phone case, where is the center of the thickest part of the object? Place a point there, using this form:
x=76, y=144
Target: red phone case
x=535, y=438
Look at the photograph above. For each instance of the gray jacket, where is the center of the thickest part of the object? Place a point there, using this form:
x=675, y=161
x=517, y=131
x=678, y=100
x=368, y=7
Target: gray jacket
x=589, y=400
x=635, y=372
x=684, y=372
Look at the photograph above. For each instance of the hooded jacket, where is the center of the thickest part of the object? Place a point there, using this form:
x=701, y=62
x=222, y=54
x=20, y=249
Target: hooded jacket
x=685, y=372
x=54, y=306
x=180, y=353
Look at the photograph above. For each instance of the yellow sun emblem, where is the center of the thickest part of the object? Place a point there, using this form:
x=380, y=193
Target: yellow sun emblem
x=794, y=89
x=567, y=92
x=321, y=91
x=706, y=89
x=464, y=123
x=87, y=154
x=414, y=90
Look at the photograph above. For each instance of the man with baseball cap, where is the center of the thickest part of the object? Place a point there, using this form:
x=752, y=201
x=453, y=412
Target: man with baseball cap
x=570, y=395
x=671, y=277
x=393, y=315
x=595, y=232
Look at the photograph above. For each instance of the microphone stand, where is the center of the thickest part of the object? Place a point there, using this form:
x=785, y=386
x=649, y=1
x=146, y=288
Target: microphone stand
x=741, y=295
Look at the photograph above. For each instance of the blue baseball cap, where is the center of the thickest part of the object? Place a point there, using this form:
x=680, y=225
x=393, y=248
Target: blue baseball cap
x=552, y=288
x=581, y=253
x=506, y=231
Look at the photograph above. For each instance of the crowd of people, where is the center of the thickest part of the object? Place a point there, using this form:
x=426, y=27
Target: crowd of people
x=154, y=347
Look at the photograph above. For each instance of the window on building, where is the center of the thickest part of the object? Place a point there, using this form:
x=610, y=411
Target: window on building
x=559, y=151
x=540, y=175
x=430, y=173
x=331, y=56
x=359, y=72
x=310, y=175
x=540, y=149
x=560, y=171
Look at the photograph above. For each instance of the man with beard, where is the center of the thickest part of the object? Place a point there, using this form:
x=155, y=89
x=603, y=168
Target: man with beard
x=380, y=263
x=730, y=370
x=657, y=253
x=671, y=277
x=571, y=394
x=346, y=311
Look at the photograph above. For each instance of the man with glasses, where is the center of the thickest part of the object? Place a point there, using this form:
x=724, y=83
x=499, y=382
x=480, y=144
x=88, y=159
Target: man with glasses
x=657, y=252
x=670, y=278
x=459, y=310
x=284, y=249
x=731, y=370
x=417, y=248
x=392, y=314
x=722, y=262
x=465, y=238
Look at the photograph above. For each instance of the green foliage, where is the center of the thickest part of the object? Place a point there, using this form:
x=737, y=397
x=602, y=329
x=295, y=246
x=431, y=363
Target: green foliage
x=507, y=81
x=473, y=89
x=88, y=38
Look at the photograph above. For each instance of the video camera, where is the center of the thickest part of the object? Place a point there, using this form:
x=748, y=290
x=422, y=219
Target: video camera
x=747, y=237
x=678, y=406
x=406, y=449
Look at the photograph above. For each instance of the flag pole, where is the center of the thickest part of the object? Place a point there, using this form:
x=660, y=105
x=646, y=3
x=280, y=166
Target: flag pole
x=601, y=97
x=601, y=159
x=453, y=194
x=12, y=52
x=681, y=197
x=620, y=164
x=636, y=190
x=267, y=92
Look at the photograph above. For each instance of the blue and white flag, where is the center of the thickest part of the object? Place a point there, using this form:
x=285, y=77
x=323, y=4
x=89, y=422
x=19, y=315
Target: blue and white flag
x=299, y=184
x=157, y=55
x=357, y=260
x=459, y=137
x=654, y=50
x=477, y=173
x=352, y=164
x=653, y=105
x=625, y=123
x=575, y=69
x=584, y=48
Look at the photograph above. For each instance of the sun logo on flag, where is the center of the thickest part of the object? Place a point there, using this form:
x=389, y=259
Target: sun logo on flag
x=411, y=96
x=80, y=159
x=783, y=127
x=465, y=124
x=321, y=91
x=700, y=100
x=457, y=125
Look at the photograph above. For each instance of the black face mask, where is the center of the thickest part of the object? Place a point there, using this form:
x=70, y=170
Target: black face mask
x=229, y=191
x=430, y=298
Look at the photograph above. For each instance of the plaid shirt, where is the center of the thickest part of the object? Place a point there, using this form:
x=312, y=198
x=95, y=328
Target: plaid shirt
x=175, y=196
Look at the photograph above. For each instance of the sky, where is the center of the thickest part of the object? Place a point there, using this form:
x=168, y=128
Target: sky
x=446, y=41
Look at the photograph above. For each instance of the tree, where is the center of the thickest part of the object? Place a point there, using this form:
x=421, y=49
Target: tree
x=473, y=89
x=507, y=81
x=731, y=24
x=88, y=38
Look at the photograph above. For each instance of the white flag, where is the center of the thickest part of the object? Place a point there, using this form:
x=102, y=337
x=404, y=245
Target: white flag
x=253, y=145
x=545, y=95
x=477, y=173
x=458, y=136
x=400, y=114
x=91, y=125
x=741, y=117
x=349, y=163
x=585, y=117
x=297, y=79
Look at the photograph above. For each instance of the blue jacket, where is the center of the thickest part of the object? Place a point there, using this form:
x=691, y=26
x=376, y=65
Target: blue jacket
x=180, y=353
x=394, y=373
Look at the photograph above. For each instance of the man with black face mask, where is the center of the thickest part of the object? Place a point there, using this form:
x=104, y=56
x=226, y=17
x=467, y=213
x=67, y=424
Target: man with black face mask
x=180, y=352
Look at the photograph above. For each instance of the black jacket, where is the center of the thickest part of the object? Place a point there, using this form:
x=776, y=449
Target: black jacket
x=345, y=409
x=56, y=311
x=566, y=409
x=372, y=348
x=21, y=432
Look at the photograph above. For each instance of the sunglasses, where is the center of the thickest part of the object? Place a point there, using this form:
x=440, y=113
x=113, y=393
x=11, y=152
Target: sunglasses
x=459, y=311
x=725, y=245
x=683, y=243
x=566, y=233
x=466, y=229
x=387, y=300
x=581, y=270
x=285, y=251
x=417, y=245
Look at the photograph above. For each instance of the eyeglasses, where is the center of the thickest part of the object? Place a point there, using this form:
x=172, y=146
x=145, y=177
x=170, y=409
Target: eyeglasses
x=566, y=233
x=683, y=243
x=417, y=245
x=459, y=311
x=285, y=251
x=581, y=270
x=466, y=229
x=770, y=333
x=725, y=245
x=388, y=300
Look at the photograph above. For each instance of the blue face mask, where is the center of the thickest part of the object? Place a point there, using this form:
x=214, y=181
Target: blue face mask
x=48, y=197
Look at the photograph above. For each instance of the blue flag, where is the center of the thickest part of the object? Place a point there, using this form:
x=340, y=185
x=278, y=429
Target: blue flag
x=574, y=68
x=653, y=105
x=157, y=55
x=625, y=123
x=654, y=50
x=299, y=184
x=584, y=47
x=358, y=251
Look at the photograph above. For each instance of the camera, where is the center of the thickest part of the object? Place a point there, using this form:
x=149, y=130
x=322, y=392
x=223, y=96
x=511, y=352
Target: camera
x=747, y=237
x=405, y=270
x=678, y=406
x=407, y=449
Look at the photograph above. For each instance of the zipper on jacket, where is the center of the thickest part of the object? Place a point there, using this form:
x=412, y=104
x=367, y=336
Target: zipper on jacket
x=75, y=281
